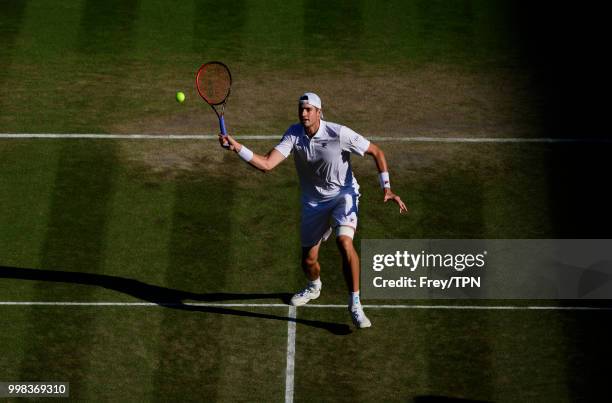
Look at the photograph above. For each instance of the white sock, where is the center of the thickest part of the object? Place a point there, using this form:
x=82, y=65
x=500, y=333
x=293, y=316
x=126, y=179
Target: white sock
x=354, y=299
x=315, y=283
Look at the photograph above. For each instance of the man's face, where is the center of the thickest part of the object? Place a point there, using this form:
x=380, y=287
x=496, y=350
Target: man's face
x=309, y=115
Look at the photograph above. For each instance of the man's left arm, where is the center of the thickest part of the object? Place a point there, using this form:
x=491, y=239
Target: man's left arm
x=383, y=174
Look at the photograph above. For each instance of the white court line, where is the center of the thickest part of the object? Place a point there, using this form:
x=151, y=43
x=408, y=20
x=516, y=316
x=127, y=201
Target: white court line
x=103, y=136
x=147, y=304
x=475, y=307
x=246, y=305
x=290, y=372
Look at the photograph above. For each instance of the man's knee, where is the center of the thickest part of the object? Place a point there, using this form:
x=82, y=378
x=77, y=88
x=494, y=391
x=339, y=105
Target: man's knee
x=345, y=243
x=344, y=237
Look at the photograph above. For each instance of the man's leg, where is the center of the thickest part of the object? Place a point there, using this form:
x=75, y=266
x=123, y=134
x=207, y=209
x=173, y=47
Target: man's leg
x=350, y=262
x=350, y=268
x=345, y=220
x=310, y=262
x=312, y=270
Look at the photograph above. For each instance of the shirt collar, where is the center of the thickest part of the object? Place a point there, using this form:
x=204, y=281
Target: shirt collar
x=320, y=131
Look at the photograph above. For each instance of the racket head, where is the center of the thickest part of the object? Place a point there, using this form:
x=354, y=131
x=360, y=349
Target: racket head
x=213, y=82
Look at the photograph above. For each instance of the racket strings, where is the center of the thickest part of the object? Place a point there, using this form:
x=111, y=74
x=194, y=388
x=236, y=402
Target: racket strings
x=214, y=82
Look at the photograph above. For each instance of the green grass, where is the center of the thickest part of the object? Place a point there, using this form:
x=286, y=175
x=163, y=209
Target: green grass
x=179, y=221
x=207, y=221
x=111, y=67
x=411, y=354
x=146, y=354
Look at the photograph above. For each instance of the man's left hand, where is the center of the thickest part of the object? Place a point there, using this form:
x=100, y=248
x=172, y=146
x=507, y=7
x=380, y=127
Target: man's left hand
x=389, y=195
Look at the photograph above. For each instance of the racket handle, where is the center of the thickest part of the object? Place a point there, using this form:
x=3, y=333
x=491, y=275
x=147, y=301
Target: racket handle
x=222, y=126
x=223, y=130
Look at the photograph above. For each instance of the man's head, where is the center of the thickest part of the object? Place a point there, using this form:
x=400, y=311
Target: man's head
x=309, y=112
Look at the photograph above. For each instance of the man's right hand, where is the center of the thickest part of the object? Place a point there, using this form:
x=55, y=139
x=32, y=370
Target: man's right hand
x=227, y=142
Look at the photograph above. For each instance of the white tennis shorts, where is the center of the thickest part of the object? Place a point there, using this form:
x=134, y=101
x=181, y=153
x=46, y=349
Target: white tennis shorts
x=318, y=216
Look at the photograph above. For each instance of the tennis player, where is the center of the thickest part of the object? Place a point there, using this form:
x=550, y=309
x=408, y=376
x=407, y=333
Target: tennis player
x=330, y=192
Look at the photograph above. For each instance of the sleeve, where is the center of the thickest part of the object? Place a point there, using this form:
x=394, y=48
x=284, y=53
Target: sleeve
x=286, y=144
x=353, y=142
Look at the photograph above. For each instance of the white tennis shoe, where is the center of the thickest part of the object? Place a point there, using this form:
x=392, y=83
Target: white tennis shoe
x=360, y=320
x=307, y=294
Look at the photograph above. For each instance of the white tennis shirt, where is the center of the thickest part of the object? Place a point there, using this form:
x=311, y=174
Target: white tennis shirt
x=323, y=162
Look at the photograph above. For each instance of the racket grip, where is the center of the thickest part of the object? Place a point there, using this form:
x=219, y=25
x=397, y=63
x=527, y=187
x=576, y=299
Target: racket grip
x=222, y=126
x=223, y=130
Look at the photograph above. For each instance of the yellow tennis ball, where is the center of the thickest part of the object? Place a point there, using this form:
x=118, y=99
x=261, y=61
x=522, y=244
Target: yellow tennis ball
x=180, y=97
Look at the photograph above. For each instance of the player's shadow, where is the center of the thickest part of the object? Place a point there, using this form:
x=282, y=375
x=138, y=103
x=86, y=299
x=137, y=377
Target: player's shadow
x=444, y=399
x=168, y=297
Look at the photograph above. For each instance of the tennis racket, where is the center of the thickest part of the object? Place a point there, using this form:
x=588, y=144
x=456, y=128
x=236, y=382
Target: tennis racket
x=213, y=82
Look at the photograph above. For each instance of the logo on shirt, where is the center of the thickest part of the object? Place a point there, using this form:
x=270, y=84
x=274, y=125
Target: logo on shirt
x=323, y=145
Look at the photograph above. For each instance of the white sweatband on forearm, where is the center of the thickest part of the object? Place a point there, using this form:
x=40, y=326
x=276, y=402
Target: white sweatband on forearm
x=384, y=180
x=245, y=154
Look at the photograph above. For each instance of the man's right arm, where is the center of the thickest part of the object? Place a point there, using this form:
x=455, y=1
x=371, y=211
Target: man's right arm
x=264, y=163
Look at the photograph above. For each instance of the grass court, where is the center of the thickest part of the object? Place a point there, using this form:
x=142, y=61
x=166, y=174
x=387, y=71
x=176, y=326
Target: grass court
x=159, y=269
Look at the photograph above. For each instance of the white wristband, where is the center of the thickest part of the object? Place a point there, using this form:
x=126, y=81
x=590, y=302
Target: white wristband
x=384, y=180
x=245, y=154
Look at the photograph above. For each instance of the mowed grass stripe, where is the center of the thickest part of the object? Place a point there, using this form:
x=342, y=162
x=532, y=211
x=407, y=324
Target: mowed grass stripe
x=275, y=31
x=28, y=175
x=210, y=21
x=27, y=184
x=176, y=34
x=199, y=258
x=74, y=241
x=107, y=27
x=75, y=237
x=140, y=214
x=41, y=53
x=179, y=250
x=50, y=32
x=11, y=21
x=341, y=33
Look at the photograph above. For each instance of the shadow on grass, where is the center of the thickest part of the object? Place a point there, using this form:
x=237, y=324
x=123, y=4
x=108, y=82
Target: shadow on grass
x=167, y=297
x=444, y=399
